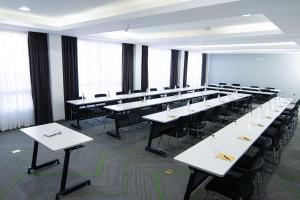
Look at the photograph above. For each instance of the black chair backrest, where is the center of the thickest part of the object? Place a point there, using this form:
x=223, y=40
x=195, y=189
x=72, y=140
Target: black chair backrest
x=136, y=91
x=80, y=97
x=255, y=168
x=100, y=95
x=228, y=86
x=153, y=89
x=166, y=88
x=180, y=124
x=236, y=84
x=265, y=90
x=212, y=85
x=120, y=93
x=254, y=86
x=270, y=88
x=222, y=83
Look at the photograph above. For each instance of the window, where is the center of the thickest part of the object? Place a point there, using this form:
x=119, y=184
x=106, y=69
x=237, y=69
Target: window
x=99, y=67
x=16, y=105
x=194, y=69
x=159, y=61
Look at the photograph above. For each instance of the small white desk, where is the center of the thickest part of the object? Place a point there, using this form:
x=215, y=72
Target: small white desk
x=66, y=139
x=202, y=156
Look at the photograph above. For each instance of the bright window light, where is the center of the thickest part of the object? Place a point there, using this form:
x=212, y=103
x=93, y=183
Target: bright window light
x=99, y=67
x=24, y=8
x=159, y=64
x=194, y=69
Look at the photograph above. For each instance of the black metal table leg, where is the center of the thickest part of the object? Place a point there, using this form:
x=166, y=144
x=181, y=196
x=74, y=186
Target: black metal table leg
x=154, y=134
x=63, y=190
x=116, y=134
x=34, y=159
x=196, y=178
x=78, y=117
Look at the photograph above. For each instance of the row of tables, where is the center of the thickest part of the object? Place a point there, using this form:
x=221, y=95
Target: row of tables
x=166, y=117
x=76, y=105
x=246, y=88
x=59, y=138
x=202, y=158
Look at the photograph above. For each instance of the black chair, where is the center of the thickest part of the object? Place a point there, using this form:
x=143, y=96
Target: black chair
x=236, y=84
x=166, y=88
x=100, y=95
x=222, y=83
x=176, y=130
x=270, y=88
x=228, y=86
x=120, y=93
x=238, y=183
x=196, y=123
x=254, y=86
x=212, y=85
x=153, y=89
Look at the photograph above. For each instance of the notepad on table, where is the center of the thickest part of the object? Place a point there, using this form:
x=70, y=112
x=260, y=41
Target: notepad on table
x=225, y=156
x=52, y=133
x=245, y=138
x=259, y=125
x=172, y=116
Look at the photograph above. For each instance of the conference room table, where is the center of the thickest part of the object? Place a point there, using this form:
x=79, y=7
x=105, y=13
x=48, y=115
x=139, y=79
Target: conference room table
x=254, y=92
x=247, y=88
x=208, y=157
x=166, y=117
x=77, y=104
x=57, y=138
x=122, y=117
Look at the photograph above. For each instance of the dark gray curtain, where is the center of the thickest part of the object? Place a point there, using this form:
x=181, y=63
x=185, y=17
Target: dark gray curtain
x=127, y=67
x=185, y=68
x=144, y=79
x=70, y=71
x=40, y=77
x=204, y=67
x=174, y=68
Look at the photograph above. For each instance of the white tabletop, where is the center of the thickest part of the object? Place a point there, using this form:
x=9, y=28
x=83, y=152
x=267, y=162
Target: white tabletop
x=246, y=87
x=173, y=114
x=202, y=155
x=68, y=138
x=157, y=101
x=81, y=102
x=242, y=91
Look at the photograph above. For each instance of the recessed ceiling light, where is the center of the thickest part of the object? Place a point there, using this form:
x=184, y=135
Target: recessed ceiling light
x=24, y=8
x=247, y=15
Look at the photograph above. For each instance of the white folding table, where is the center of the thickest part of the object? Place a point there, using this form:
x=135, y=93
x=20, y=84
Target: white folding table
x=122, y=116
x=77, y=104
x=165, y=117
x=57, y=137
x=201, y=158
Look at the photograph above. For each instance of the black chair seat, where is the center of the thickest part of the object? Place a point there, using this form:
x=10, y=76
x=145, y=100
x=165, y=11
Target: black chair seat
x=263, y=143
x=231, y=187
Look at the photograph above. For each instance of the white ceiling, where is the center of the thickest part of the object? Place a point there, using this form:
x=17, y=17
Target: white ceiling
x=206, y=25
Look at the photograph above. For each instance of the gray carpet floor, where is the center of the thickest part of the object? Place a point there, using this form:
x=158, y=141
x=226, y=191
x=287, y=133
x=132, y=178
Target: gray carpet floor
x=122, y=169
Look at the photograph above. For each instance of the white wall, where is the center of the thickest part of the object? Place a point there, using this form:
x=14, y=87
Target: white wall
x=281, y=71
x=56, y=77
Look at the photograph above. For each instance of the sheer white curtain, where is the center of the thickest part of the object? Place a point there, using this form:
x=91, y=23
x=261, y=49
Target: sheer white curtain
x=99, y=67
x=16, y=105
x=159, y=61
x=194, y=69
